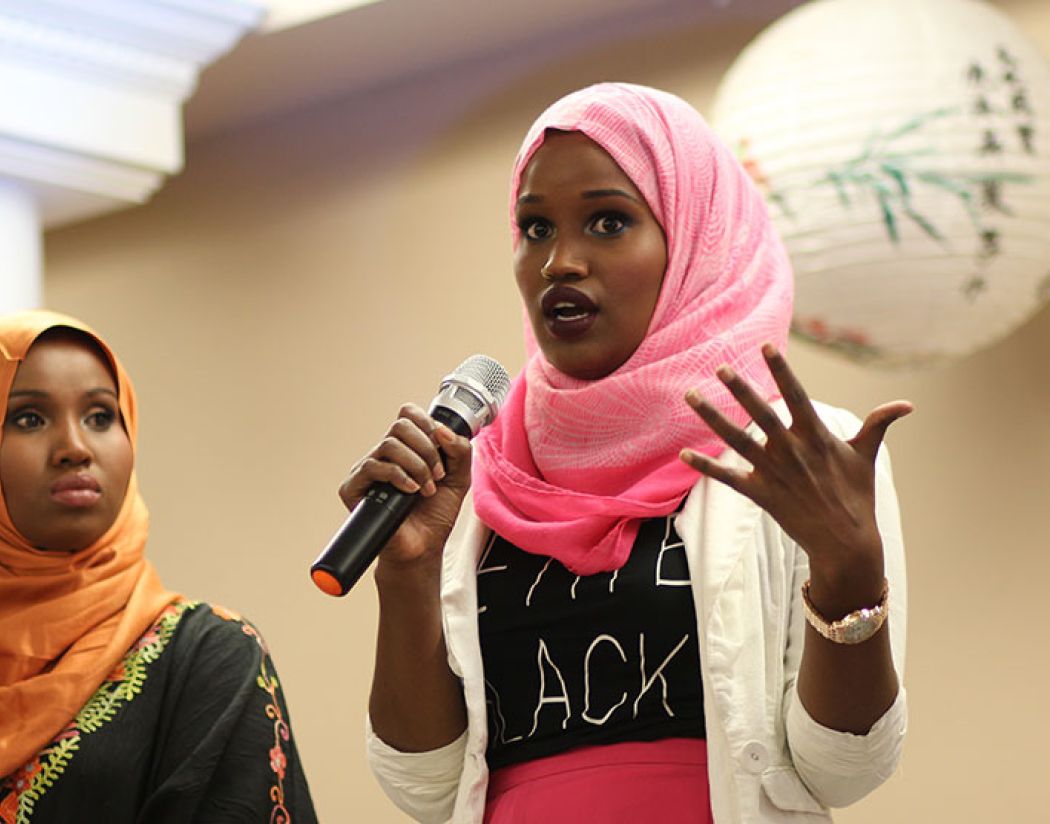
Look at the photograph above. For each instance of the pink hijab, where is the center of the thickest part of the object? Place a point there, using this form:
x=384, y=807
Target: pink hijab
x=571, y=467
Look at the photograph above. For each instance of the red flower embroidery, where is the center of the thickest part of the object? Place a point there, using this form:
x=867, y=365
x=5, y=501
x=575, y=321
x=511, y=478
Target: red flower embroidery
x=278, y=761
x=8, y=808
x=148, y=639
x=22, y=778
x=14, y=786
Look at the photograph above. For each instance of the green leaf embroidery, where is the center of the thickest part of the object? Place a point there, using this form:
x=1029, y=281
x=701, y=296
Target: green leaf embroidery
x=102, y=707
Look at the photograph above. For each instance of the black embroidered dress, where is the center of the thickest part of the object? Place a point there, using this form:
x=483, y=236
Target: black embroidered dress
x=191, y=726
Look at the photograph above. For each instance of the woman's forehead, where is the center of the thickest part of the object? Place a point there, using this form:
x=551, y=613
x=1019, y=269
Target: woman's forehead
x=66, y=359
x=73, y=340
x=574, y=156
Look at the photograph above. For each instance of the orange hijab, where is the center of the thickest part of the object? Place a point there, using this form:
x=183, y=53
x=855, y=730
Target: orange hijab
x=66, y=619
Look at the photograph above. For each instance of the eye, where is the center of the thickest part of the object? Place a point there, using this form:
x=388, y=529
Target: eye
x=609, y=223
x=101, y=419
x=25, y=419
x=535, y=228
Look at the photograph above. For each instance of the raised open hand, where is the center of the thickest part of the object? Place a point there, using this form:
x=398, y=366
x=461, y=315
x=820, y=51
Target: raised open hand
x=819, y=488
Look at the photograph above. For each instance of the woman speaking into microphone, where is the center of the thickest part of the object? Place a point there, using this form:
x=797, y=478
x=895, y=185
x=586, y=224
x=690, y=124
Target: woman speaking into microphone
x=675, y=591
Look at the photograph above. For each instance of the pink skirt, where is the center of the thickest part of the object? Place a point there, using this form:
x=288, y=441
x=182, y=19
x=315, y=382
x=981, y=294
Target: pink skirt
x=656, y=781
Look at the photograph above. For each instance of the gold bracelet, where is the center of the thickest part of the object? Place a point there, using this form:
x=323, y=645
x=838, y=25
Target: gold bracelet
x=854, y=628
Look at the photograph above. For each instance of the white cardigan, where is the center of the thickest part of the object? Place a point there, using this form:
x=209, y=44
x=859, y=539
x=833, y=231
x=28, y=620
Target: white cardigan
x=769, y=762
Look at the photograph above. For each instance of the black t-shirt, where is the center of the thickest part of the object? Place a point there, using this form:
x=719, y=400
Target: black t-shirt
x=580, y=660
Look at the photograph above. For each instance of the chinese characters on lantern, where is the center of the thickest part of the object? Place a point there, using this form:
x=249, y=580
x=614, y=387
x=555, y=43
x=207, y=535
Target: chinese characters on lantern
x=1002, y=106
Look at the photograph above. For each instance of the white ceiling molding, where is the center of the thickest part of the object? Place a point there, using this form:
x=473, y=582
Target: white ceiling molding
x=91, y=94
x=284, y=14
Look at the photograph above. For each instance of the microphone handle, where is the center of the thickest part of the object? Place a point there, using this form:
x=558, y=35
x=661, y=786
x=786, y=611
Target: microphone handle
x=371, y=525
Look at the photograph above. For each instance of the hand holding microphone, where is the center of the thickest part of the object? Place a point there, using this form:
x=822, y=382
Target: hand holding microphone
x=406, y=493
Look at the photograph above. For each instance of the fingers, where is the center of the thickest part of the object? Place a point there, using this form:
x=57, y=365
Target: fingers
x=457, y=452
x=408, y=457
x=803, y=415
x=733, y=478
x=755, y=406
x=873, y=431
x=733, y=435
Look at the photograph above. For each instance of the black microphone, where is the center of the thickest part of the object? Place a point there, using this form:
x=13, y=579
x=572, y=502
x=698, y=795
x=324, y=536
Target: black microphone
x=468, y=399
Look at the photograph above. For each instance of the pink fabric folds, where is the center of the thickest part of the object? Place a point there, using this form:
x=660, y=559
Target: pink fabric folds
x=571, y=467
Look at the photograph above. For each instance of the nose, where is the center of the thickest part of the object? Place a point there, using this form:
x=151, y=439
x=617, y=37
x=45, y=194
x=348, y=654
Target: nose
x=565, y=262
x=70, y=447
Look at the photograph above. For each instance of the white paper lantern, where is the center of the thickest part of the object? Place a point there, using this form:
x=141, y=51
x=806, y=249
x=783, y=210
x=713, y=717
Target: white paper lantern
x=904, y=148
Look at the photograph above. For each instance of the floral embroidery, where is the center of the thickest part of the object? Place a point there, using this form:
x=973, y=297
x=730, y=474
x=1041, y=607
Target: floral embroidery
x=278, y=761
x=23, y=789
x=267, y=681
x=20, y=791
x=20, y=781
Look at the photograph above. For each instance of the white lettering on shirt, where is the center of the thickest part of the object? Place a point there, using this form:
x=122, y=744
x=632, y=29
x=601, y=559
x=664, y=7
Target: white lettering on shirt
x=646, y=683
x=482, y=569
x=666, y=545
x=528, y=597
x=501, y=722
x=587, y=680
x=563, y=698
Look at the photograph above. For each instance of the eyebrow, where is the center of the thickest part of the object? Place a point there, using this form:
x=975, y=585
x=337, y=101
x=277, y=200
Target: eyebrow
x=590, y=194
x=39, y=393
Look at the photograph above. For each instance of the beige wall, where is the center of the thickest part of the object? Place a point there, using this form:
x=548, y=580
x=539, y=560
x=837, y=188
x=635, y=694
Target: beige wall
x=279, y=300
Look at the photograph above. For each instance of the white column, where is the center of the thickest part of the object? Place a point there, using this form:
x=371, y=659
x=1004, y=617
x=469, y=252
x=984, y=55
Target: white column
x=20, y=248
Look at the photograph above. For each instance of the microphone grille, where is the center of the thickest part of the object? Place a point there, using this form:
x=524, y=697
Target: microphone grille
x=485, y=373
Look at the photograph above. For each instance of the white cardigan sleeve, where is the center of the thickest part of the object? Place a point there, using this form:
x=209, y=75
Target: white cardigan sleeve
x=838, y=767
x=421, y=784
x=436, y=785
